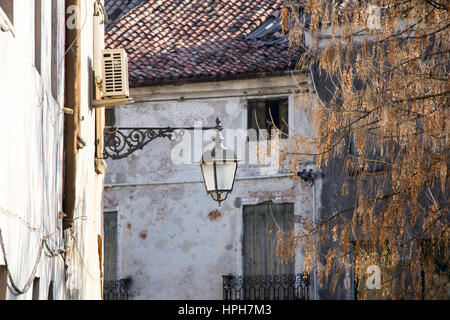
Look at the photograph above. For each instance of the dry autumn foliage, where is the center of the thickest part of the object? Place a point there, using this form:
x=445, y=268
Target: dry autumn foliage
x=392, y=111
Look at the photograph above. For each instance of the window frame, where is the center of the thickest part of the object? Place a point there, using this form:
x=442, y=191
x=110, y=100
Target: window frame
x=284, y=130
x=283, y=214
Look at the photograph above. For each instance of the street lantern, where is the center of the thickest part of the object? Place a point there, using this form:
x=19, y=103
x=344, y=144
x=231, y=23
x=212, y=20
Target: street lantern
x=219, y=166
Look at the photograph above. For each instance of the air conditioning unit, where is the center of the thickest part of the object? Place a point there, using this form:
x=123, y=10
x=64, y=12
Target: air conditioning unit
x=115, y=74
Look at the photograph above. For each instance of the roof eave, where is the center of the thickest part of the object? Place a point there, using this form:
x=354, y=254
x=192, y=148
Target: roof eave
x=160, y=82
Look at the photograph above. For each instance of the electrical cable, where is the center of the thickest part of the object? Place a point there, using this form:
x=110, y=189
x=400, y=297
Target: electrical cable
x=81, y=258
x=12, y=283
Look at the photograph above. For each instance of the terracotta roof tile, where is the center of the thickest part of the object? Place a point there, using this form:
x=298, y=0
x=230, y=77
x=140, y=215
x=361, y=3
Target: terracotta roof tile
x=196, y=39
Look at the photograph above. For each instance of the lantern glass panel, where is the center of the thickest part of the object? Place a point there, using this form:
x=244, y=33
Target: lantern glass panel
x=225, y=172
x=208, y=176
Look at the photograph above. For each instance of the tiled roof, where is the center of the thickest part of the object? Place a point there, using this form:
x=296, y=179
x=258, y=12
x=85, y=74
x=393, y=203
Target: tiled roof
x=117, y=8
x=198, y=40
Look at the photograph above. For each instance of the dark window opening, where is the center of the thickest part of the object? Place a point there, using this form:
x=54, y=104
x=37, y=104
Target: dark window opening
x=36, y=283
x=269, y=114
x=3, y=275
x=50, y=291
x=110, y=117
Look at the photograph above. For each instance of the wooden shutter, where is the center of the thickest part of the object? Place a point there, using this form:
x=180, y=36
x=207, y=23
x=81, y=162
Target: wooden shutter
x=110, y=245
x=261, y=223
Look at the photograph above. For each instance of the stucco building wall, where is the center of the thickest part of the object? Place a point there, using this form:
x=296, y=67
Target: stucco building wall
x=167, y=242
x=84, y=255
x=31, y=161
x=31, y=127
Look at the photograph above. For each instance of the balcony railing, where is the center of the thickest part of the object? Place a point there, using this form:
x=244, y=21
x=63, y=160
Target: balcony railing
x=266, y=287
x=116, y=289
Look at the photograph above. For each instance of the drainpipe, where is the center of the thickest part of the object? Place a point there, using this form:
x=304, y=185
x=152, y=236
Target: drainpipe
x=72, y=101
x=316, y=286
x=312, y=177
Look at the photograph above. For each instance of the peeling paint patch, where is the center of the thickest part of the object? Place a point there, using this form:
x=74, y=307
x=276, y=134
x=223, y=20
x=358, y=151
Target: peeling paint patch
x=232, y=107
x=186, y=112
x=143, y=235
x=214, y=215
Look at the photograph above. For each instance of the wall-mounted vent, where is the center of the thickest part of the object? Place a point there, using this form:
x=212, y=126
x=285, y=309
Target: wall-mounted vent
x=115, y=73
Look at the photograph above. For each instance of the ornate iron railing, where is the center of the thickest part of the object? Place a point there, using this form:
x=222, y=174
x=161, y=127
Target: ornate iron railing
x=266, y=287
x=116, y=289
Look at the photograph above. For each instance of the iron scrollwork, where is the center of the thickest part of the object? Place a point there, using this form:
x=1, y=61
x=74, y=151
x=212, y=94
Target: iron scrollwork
x=121, y=142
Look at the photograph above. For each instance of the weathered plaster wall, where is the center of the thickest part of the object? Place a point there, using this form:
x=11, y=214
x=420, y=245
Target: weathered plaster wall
x=31, y=161
x=84, y=272
x=168, y=243
x=31, y=127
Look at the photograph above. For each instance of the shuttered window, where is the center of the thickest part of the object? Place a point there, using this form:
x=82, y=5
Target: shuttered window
x=261, y=223
x=110, y=245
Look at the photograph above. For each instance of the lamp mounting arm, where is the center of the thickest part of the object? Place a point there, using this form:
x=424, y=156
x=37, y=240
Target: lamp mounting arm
x=120, y=142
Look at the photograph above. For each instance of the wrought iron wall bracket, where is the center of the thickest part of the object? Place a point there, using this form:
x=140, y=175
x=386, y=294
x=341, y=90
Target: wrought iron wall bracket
x=120, y=142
